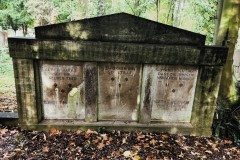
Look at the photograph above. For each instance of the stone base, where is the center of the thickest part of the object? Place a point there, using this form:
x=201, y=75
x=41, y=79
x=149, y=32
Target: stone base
x=13, y=115
x=172, y=128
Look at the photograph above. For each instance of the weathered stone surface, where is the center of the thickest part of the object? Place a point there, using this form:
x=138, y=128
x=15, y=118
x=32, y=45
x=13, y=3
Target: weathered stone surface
x=206, y=96
x=171, y=91
x=8, y=115
x=25, y=90
x=146, y=99
x=38, y=91
x=214, y=55
x=62, y=90
x=236, y=64
x=104, y=51
x=120, y=27
x=91, y=88
x=3, y=39
x=118, y=91
x=177, y=91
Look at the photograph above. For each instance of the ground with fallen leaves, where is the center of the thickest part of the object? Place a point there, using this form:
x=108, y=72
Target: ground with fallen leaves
x=8, y=104
x=54, y=144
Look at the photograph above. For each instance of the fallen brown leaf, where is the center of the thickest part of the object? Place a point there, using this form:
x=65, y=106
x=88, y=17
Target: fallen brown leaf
x=146, y=145
x=153, y=142
x=136, y=157
x=54, y=131
x=104, y=137
x=45, y=149
x=227, y=141
x=95, y=140
x=214, y=146
x=72, y=143
x=79, y=131
x=141, y=136
x=13, y=131
x=110, y=139
x=137, y=147
x=3, y=131
x=198, y=143
x=89, y=132
x=101, y=146
x=164, y=136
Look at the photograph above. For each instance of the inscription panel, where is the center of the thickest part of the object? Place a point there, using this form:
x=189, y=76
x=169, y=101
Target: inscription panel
x=172, y=91
x=118, y=91
x=62, y=90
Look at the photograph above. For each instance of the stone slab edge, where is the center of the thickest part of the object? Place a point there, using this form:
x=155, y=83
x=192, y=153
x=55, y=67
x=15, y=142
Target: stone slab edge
x=94, y=51
x=185, y=129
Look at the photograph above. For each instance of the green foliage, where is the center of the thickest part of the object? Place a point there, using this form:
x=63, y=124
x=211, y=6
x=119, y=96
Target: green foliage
x=74, y=9
x=44, y=11
x=226, y=123
x=13, y=14
x=3, y=4
x=64, y=10
x=139, y=7
x=6, y=73
x=6, y=67
x=205, y=12
x=196, y=16
x=4, y=56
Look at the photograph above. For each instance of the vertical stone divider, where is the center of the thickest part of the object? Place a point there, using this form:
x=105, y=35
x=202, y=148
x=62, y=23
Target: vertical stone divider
x=91, y=91
x=25, y=91
x=38, y=83
x=206, y=97
x=146, y=100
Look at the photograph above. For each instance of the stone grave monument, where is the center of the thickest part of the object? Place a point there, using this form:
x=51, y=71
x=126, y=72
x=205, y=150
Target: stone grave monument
x=119, y=72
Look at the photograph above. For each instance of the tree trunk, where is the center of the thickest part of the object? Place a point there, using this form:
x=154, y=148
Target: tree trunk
x=101, y=8
x=218, y=19
x=158, y=3
x=41, y=21
x=24, y=29
x=227, y=34
x=170, y=15
x=85, y=8
x=70, y=4
x=179, y=5
x=136, y=10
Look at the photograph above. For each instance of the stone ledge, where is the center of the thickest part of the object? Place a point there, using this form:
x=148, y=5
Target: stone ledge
x=115, y=123
x=96, y=51
x=173, y=128
x=4, y=115
x=27, y=48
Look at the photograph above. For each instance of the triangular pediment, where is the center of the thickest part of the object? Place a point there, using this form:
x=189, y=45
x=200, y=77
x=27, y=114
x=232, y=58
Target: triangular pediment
x=120, y=27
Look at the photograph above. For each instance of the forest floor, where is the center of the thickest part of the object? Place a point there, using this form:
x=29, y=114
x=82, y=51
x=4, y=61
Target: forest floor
x=54, y=144
x=8, y=103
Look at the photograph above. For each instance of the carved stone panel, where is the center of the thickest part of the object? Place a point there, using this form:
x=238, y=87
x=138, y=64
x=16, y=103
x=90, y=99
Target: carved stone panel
x=118, y=91
x=62, y=90
x=172, y=91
